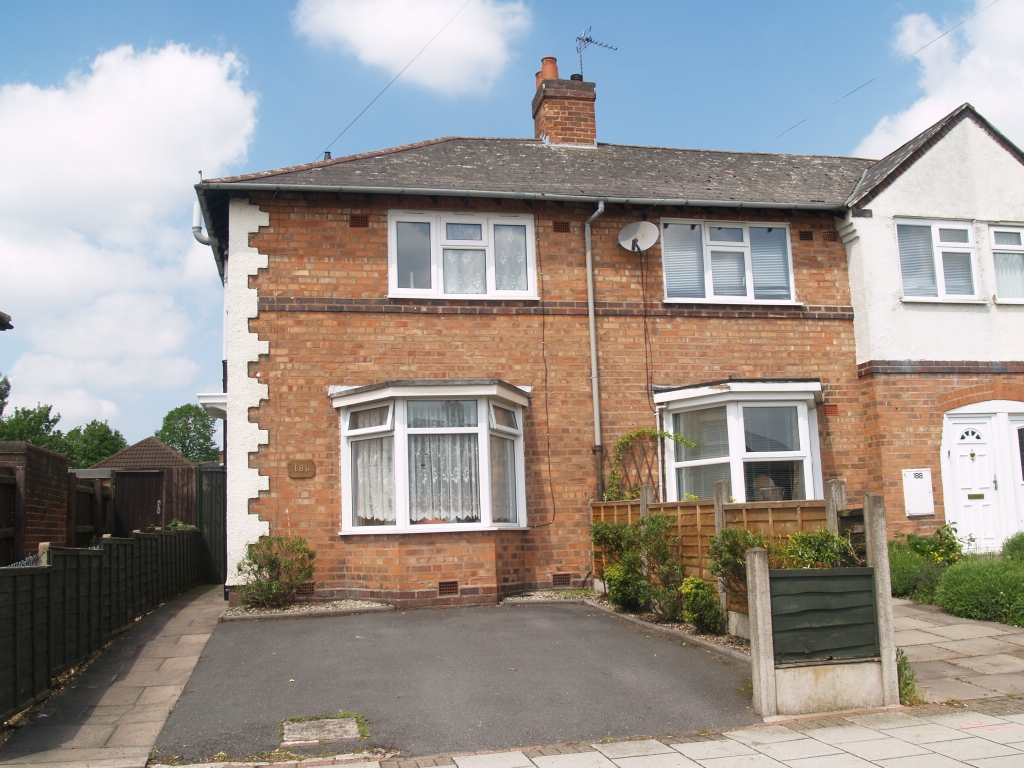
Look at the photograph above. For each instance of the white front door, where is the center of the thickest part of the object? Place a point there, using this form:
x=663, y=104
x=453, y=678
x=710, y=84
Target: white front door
x=974, y=467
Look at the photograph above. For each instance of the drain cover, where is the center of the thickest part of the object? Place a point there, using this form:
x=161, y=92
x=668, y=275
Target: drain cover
x=326, y=731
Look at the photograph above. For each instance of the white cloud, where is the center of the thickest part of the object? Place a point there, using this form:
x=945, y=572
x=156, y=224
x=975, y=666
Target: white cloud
x=110, y=294
x=982, y=63
x=468, y=56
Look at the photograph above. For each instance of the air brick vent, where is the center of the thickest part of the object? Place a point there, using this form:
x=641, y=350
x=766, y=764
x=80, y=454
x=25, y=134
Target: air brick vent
x=447, y=588
x=806, y=234
x=306, y=591
x=831, y=409
x=561, y=580
x=830, y=235
x=562, y=226
x=359, y=220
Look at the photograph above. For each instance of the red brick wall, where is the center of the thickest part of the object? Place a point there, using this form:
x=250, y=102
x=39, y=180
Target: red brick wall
x=325, y=312
x=41, y=497
x=563, y=112
x=903, y=416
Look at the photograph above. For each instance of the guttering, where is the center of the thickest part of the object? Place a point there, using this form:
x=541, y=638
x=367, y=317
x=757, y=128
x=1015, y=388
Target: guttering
x=594, y=376
x=197, y=227
x=427, y=192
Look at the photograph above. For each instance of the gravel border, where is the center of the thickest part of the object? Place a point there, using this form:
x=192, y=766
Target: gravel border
x=305, y=611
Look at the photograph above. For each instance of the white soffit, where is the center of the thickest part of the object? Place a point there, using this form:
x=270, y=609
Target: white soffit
x=744, y=390
x=344, y=396
x=214, y=403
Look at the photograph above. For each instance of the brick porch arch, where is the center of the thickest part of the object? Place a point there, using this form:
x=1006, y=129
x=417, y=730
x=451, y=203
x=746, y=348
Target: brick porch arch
x=994, y=390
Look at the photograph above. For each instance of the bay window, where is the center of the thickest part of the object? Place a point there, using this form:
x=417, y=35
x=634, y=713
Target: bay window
x=726, y=262
x=429, y=457
x=461, y=255
x=761, y=437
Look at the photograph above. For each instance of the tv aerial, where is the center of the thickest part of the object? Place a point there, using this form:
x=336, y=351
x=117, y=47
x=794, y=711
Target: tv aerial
x=583, y=40
x=638, y=236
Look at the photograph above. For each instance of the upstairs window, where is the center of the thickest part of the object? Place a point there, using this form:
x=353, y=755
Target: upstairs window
x=461, y=256
x=1008, y=255
x=937, y=260
x=726, y=262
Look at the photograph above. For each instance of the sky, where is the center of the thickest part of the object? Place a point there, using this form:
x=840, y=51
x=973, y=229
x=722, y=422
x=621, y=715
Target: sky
x=110, y=109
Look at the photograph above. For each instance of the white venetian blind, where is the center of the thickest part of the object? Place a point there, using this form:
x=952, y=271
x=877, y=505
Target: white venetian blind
x=728, y=273
x=683, y=260
x=956, y=272
x=917, y=261
x=769, y=262
x=1009, y=275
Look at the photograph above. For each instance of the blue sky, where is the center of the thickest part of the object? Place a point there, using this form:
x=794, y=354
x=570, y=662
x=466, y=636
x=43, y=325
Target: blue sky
x=109, y=109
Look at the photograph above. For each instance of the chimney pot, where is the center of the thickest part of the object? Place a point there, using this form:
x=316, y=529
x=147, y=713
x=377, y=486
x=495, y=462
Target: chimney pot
x=549, y=68
x=576, y=77
x=539, y=78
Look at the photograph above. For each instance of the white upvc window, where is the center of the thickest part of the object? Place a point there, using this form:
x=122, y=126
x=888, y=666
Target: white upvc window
x=421, y=458
x=937, y=260
x=461, y=256
x=1008, y=259
x=726, y=262
x=762, y=437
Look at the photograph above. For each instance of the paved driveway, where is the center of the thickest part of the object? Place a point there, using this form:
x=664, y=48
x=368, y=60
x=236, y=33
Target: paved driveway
x=434, y=681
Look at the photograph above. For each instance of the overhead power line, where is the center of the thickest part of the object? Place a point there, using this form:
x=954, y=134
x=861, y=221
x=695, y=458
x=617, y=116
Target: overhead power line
x=876, y=77
x=354, y=119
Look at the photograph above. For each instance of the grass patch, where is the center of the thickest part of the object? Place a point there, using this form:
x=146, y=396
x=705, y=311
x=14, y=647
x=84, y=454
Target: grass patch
x=364, y=727
x=984, y=588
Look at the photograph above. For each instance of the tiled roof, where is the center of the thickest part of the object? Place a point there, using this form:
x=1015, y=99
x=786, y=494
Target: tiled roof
x=531, y=168
x=892, y=166
x=150, y=453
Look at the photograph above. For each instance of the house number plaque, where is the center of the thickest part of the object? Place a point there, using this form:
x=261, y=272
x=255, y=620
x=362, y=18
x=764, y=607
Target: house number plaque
x=301, y=469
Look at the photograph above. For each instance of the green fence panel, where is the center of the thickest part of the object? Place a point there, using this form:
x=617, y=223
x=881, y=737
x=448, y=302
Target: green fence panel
x=823, y=614
x=24, y=638
x=211, y=519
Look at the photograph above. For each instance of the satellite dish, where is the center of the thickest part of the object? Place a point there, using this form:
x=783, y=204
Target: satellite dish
x=638, y=236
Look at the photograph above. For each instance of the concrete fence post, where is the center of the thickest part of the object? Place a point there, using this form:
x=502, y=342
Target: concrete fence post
x=878, y=558
x=835, y=501
x=762, y=647
x=721, y=498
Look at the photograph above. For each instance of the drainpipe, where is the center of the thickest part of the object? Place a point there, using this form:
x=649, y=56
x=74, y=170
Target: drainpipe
x=197, y=226
x=598, y=448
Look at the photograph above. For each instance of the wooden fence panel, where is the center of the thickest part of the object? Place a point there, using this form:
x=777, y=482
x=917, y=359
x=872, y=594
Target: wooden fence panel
x=24, y=637
x=8, y=530
x=823, y=614
x=212, y=522
x=777, y=518
x=76, y=604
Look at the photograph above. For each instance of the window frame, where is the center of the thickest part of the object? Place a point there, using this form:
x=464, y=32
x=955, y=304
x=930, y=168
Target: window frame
x=736, y=396
x=439, y=242
x=971, y=248
x=346, y=400
x=733, y=247
x=993, y=248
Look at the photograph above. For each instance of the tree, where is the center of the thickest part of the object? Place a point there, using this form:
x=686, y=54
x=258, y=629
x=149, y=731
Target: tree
x=37, y=426
x=188, y=430
x=93, y=443
x=5, y=390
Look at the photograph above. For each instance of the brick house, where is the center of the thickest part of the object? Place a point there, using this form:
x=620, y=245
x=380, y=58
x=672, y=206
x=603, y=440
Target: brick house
x=935, y=234
x=430, y=349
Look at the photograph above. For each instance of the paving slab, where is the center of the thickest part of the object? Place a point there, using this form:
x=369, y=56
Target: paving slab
x=926, y=733
x=797, y=749
x=1007, y=684
x=916, y=653
x=903, y=623
x=930, y=760
x=981, y=646
x=576, y=760
x=936, y=670
x=965, y=720
x=706, y=750
x=842, y=734
x=916, y=637
x=884, y=749
x=965, y=631
x=881, y=721
x=769, y=734
x=674, y=760
x=842, y=760
x=996, y=664
x=973, y=749
x=743, y=761
x=495, y=760
x=632, y=748
x=949, y=689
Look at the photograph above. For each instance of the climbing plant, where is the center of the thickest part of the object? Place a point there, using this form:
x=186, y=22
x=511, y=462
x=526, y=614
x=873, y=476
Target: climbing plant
x=633, y=447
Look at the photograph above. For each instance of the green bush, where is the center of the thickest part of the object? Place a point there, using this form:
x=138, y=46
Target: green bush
x=815, y=549
x=1013, y=547
x=943, y=547
x=985, y=588
x=274, y=568
x=727, y=553
x=627, y=583
x=905, y=569
x=177, y=525
x=700, y=605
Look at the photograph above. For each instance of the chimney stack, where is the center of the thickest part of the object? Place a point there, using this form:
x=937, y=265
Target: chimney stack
x=563, y=110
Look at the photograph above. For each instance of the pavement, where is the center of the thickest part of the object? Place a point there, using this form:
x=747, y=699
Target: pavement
x=443, y=681
x=956, y=658
x=110, y=716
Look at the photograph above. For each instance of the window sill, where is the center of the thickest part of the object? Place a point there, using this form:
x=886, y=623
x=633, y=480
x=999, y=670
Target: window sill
x=482, y=297
x=1008, y=302
x=930, y=300
x=735, y=301
x=377, y=530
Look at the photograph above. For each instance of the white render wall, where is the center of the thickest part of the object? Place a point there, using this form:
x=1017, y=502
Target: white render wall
x=966, y=176
x=244, y=392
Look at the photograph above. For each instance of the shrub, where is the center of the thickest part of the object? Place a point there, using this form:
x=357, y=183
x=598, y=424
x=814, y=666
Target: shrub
x=727, y=554
x=1013, y=547
x=627, y=583
x=905, y=569
x=985, y=588
x=815, y=549
x=700, y=605
x=177, y=525
x=274, y=568
x=943, y=547
x=907, y=680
